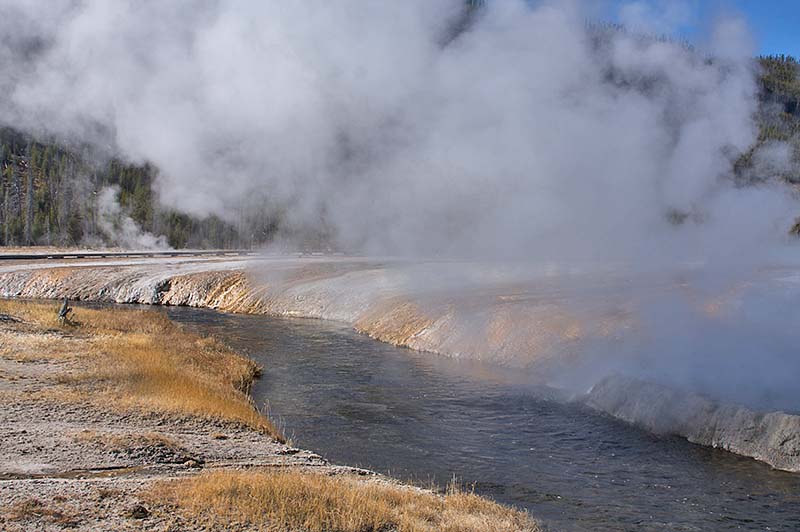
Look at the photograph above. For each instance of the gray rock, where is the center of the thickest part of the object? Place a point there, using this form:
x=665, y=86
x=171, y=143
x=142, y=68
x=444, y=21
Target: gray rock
x=138, y=512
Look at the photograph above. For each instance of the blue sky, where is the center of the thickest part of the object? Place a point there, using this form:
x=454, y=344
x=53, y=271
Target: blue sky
x=775, y=24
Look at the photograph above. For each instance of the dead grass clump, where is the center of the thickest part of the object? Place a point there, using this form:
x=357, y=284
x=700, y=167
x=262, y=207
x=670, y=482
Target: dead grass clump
x=140, y=358
x=109, y=493
x=53, y=395
x=30, y=346
x=180, y=373
x=149, y=447
x=113, y=441
x=106, y=320
x=312, y=502
x=45, y=314
x=34, y=509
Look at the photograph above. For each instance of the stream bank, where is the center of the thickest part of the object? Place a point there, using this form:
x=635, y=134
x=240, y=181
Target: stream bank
x=504, y=315
x=124, y=421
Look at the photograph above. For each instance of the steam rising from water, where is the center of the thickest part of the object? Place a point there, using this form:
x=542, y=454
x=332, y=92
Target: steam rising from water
x=408, y=128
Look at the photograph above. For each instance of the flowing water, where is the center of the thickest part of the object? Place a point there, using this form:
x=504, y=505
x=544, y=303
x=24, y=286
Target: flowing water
x=427, y=418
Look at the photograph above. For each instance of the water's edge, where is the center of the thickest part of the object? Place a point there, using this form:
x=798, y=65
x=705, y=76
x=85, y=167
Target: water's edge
x=368, y=298
x=426, y=419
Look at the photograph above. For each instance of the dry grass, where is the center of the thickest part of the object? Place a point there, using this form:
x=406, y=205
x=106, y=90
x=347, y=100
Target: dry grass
x=109, y=493
x=311, y=502
x=33, y=347
x=139, y=358
x=52, y=394
x=148, y=447
x=112, y=440
x=34, y=509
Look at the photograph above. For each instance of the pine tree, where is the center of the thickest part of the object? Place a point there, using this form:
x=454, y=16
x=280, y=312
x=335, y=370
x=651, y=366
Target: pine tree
x=3, y=195
x=29, y=199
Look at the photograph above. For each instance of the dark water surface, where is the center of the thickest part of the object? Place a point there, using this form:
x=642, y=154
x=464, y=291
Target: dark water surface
x=422, y=417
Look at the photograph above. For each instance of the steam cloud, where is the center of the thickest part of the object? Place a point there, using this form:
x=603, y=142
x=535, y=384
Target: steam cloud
x=406, y=128
x=120, y=228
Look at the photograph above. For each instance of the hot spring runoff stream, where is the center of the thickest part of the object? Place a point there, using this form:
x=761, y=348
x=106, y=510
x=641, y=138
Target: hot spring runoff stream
x=426, y=418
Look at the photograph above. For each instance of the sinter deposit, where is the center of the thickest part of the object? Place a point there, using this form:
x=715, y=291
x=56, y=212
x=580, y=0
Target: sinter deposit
x=549, y=322
x=773, y=437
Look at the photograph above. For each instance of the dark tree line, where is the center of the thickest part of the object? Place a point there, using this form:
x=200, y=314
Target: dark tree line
x=49, y=196
x=780, y=86
x=778, y=115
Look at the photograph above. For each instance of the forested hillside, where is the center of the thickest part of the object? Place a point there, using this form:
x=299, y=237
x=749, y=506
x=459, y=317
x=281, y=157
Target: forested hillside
x=780, y=84
x=779, y=115
x=54, y=195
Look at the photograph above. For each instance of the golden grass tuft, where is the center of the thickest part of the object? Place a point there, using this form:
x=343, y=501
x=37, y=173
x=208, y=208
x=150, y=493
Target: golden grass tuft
x=139, y=358
x=28, y=346
x=312, y=502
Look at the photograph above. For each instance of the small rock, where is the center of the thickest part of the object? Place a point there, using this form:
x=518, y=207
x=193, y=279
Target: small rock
x=138, y=512
x=191, y=464
x=288, y=451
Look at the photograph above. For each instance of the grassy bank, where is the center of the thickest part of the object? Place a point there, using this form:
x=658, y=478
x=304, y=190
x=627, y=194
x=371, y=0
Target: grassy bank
x=137, y=360
x=292, y=500
x=140, y=359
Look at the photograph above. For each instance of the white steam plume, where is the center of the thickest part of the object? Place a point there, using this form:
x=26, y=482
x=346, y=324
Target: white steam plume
x=120, y=228
x=525, y=135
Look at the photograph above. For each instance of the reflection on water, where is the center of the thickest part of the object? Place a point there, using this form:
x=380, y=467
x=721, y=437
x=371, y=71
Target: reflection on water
x=423, y=417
